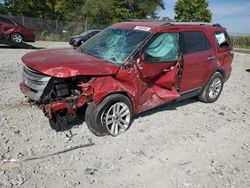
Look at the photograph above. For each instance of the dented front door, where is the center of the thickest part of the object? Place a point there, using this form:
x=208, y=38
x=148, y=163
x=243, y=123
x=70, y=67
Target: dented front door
x=160, y=69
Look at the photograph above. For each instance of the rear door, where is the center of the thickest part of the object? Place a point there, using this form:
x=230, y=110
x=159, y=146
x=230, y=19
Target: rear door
x=199, y=60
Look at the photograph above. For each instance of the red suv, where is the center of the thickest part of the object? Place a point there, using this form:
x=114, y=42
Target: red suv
x=126, y=69
x=13, y=30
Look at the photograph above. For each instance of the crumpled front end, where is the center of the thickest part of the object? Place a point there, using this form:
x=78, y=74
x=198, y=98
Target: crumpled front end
x=55, y=94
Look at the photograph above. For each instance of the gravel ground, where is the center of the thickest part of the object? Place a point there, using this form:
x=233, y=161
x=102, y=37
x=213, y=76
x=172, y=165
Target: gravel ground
x=185, y=144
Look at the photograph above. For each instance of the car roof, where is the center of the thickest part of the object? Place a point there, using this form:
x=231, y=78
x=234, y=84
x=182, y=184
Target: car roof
x=11, y=19
x=162, y=25
x=151, y=24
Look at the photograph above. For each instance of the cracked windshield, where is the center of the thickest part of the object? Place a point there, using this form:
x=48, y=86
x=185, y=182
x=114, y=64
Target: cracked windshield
x=114, y=45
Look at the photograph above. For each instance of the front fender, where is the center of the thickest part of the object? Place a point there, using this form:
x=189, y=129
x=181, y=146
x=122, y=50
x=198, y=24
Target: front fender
x=104, y=86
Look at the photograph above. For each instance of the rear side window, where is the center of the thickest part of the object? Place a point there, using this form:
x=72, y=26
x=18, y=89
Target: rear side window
x=5, y=21
x=223, y=40
x=194, y=41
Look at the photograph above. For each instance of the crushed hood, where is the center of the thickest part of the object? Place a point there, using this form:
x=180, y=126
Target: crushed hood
x=67, y=62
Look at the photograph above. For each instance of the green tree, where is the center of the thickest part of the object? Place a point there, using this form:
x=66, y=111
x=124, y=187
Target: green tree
x=192, y=10
x=33, y=8
x=2, y=9
x=110, y=11
x=25, y=7
x=96, y=11
x=70, y=10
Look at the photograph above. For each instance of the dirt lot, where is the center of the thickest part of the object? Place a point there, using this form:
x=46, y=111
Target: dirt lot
x=186, y=144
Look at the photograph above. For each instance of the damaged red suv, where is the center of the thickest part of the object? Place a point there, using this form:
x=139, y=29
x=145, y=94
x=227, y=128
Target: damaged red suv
x=126, y=69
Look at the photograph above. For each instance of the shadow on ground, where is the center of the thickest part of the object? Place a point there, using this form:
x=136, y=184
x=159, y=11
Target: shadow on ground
x=174, y=105
x=80, y=118
x=12, y=45
x=76, y=121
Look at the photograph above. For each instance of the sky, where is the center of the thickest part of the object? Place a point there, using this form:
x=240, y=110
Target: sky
x=232, y=14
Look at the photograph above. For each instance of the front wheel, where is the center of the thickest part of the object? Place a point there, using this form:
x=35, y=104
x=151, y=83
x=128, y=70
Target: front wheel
x=213, y=89
x=112, y=116
x=59, y=121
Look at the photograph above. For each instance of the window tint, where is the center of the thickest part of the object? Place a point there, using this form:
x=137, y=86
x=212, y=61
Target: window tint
x=222, y=39
x=164, y=48
x=194, y=42
x=5, y=21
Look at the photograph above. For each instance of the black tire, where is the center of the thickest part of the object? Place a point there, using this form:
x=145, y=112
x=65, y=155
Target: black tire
x=80, y=43
x=16, y=37
x=205, y=95
x=59, y=121
x=94, y=113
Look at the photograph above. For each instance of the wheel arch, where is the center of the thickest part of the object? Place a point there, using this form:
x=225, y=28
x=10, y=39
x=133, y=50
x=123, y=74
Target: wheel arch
x=101, y=91
x=126, y=94
x=219, y=70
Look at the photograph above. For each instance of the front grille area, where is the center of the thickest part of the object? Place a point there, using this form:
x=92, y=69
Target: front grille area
x=35, y=81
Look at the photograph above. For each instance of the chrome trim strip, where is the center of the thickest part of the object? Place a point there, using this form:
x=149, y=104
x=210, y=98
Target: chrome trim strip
x=35, y=81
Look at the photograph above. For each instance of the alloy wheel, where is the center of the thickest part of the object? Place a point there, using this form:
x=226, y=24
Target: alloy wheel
x=116, y=118
x=16, y=38
x=215, y=88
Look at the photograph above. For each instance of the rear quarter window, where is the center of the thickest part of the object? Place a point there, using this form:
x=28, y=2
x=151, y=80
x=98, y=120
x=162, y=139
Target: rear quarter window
x=222, y=39
x=194, y=41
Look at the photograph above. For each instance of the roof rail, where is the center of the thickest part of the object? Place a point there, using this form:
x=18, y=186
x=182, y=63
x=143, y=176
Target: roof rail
x=141, y=20
x=192, y=23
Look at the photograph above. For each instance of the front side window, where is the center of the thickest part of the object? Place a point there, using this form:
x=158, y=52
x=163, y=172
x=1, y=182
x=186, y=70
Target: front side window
x=114, y=44
x=164, y=48
x=194, y=41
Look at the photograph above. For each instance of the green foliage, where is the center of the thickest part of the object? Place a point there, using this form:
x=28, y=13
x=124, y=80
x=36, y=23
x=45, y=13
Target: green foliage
x=32, y=8
x=96, y=11
x=240, y=41
x=192, y=10
x=110, y=11
x=2, y=9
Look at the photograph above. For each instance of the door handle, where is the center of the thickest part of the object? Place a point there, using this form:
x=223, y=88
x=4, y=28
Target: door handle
x=212, y=57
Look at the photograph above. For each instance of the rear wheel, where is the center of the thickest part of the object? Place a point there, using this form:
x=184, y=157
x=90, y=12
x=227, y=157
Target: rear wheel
x=16, y=37
x=112, y=116
x=213, y=89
